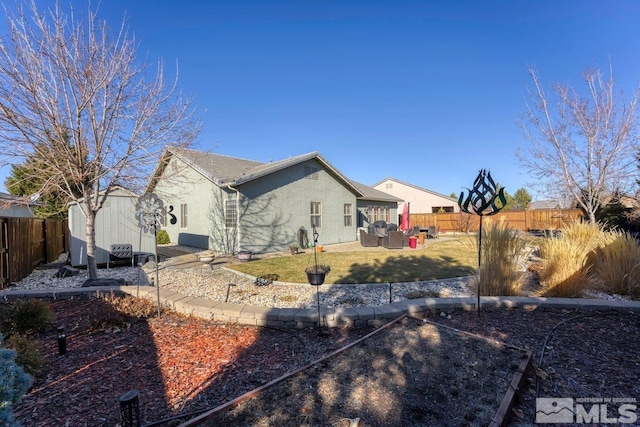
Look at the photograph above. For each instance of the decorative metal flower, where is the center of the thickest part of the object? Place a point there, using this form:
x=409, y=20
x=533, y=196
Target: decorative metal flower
x=150, y=212
x=485, y=198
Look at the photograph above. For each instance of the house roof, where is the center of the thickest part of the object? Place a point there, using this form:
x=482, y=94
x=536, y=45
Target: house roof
x=545, y=204
x=227, y=171
x=7, y=200
x=370, y=193
x=413, y=186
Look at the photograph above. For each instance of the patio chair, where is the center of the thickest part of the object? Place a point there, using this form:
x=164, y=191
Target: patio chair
x=120, y=252
x=432, y=232
x=393, y=240
x=369, y=240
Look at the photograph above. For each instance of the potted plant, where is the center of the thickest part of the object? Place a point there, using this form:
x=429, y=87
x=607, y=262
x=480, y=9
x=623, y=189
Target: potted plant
x=294, y=248
x=206, y=256
x=244, y=256
x=316, y=273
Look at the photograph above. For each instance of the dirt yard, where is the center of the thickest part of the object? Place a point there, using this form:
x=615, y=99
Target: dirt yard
x=412, y=373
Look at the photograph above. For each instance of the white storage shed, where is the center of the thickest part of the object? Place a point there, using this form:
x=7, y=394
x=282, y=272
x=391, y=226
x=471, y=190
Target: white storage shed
x=116, y=224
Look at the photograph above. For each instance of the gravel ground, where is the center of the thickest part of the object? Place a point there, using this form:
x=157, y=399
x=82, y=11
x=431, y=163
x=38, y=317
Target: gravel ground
x=217, y=283
x=221, y=284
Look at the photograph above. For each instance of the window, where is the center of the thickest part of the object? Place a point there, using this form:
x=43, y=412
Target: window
x=442, y=209
x=310, y=172
x=378, y=213
x=348, y=214
x=183, y=216
x=316, y=214
x=388, y=185
x=231, y=212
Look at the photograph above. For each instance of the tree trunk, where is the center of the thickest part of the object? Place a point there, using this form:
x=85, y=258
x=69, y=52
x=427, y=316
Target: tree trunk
x=92, y=266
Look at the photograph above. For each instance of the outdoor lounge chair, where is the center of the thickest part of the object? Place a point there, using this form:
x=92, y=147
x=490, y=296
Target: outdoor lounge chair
x=369, y=240
x=432, y=232
x=393, y=240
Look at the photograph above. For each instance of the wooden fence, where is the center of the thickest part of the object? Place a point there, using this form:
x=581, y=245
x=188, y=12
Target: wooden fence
x=545, y=219
x=27, y=243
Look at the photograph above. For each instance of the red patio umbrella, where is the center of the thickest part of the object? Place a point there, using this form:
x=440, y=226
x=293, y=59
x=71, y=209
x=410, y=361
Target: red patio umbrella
x=406, y=224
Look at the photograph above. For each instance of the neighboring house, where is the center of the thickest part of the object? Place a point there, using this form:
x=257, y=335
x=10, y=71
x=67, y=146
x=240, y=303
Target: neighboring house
x=422, y=201
x=116, y=224
x=15, y=206
x=229, y=205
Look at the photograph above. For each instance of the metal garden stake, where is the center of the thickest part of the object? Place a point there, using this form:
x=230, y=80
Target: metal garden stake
x=484, y=199
x=150, y=212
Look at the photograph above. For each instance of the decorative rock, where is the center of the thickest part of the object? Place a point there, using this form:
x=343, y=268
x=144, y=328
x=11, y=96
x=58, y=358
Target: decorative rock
x=104, y=282
x=67, y=271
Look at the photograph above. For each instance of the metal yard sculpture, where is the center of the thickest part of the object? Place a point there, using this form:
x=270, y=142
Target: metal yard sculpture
x=484, y=199
x=150, y=213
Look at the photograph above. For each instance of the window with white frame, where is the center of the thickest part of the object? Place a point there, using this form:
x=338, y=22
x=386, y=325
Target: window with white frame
x=378, y=213
x=348, y=214
x=316, y=214
x=231, y=212
x=183, y=216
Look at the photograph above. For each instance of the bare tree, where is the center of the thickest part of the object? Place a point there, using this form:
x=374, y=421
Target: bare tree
x=74, y=93
x=581, y=145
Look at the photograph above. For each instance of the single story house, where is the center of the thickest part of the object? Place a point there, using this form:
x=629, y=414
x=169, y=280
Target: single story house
x=229, y=204
x=422, y=201
x=15, y=206
x=116, y=224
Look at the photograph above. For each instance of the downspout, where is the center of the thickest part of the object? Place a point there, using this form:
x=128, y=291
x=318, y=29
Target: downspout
x=237, y=216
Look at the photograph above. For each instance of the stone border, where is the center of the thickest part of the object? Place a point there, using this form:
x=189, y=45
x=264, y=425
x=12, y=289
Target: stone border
x=331, y=317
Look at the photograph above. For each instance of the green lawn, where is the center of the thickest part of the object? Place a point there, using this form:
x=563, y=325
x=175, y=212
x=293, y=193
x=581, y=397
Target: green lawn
x=443, y=259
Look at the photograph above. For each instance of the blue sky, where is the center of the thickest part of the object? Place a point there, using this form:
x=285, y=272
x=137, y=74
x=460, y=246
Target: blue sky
x=425, y=92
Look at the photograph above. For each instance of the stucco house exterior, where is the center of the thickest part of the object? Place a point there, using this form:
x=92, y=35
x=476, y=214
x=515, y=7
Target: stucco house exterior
x=375, y=205
x=421, y=200
x=229, y=204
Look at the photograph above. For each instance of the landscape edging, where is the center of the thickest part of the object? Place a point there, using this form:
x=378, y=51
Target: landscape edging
x=330, y=317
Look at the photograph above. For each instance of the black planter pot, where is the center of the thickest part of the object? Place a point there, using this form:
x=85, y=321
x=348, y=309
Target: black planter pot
x=315, y=279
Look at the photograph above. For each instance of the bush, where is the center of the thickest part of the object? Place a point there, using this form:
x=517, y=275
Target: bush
x=27, y=317
x=15, y=383
x=162, y=237
x=29, y=353
x=501, y=249
x=617, y=264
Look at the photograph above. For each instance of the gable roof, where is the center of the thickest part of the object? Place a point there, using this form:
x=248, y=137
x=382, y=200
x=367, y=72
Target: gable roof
x=370, y=193
x=413, y=186
x=226, y=171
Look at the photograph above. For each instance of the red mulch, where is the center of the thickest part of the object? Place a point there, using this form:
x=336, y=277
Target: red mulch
x=178, y=364
x=184, y=365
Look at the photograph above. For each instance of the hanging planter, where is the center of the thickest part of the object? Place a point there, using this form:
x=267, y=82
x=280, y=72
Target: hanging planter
x=316, y=274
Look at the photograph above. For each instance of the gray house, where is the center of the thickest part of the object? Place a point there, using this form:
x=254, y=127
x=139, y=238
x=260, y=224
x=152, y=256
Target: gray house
x=230, y=205
x=375, y=205
x=115, y=224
